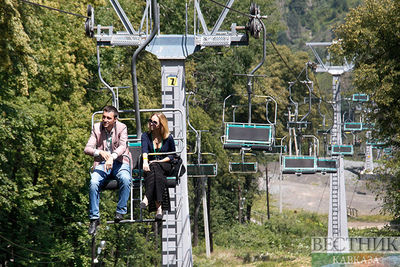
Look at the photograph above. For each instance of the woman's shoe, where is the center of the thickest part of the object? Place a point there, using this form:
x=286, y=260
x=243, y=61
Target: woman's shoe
x=143, y=205
x=159, y=214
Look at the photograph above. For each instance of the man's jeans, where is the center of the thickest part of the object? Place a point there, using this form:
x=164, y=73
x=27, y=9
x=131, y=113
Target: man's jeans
x=99, y=177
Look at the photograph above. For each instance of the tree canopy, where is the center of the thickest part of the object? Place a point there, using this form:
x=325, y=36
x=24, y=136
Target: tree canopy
x=371, y=37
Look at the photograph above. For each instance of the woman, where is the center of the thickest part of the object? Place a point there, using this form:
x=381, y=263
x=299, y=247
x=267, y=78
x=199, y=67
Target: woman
x=156, y=167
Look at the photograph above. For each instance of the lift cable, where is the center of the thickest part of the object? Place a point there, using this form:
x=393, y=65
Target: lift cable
x=55, y=9
x=322, y=196
x=234, y=10
x=272, y=43
x=14, y=255
x=25, y=248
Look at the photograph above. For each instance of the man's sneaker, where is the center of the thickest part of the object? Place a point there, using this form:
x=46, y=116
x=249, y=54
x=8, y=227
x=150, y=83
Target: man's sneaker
x=93, y=226
x=118, y=217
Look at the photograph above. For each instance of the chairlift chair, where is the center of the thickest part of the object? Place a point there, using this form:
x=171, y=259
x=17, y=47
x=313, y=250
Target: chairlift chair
x=353, y=126
x=360, y=98
x=134, y=146
x=301, y=164
x=254, y=136
x=345, y=150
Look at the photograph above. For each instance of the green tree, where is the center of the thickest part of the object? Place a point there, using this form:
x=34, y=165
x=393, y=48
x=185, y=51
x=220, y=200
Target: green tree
x=370, y=36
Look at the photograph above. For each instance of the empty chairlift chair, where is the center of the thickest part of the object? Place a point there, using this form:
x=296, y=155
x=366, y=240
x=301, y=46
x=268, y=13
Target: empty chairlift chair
x=360, y=98
x=248, y=135
x=353, y=126
x=308, y=164
x=202, y=170
x=299, y=165
x=326, y=165
x=251, y=136
x=345, y=150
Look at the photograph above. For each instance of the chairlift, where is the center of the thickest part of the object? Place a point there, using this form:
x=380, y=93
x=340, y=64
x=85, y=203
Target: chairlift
x=199, y=169
x=326, y=165
x=254, y=136
x=368, y=126
x=345, y=150
x=134, y=146
x=360, y=98
x=353, y=127
x=243, y=167
x=301, y=164
x=202, y=170
x=294, y=121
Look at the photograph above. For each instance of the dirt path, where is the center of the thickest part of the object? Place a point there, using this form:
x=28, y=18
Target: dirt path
x=311, y=192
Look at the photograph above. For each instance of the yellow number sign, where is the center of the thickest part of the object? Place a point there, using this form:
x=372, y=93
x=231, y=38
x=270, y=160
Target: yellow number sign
x=172, y=80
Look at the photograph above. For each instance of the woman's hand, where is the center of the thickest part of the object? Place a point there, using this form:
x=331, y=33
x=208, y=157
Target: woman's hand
x=146, y=166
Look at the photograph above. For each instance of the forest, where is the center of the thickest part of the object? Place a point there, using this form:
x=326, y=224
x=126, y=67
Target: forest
x=50, y=88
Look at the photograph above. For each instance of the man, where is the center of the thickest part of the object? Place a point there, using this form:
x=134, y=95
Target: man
x=108, y=145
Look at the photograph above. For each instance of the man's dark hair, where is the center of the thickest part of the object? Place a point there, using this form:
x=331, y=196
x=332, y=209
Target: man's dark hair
x=111, y=109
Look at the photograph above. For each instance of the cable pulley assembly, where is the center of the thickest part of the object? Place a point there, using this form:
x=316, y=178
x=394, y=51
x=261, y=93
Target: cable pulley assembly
x=254, y=25
x=89, y=24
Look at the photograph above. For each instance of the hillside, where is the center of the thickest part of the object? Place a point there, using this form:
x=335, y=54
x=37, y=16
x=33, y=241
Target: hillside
x=311, y=20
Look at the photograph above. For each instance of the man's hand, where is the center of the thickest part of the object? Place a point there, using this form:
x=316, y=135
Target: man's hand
x=109, y=163
x=105, y=155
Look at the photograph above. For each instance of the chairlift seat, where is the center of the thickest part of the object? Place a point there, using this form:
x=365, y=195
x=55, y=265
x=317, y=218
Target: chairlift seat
x=299, y=164
x=243, y=167
x=346, y=150
x=298, y=124
x=376, y=144
x=245, y=135
x=135, y=147
x=368, y=126
x=387, y=150
x=360, y=98
x=322, y=131
x=326, y=165
x=353, y=126
x=202, y=170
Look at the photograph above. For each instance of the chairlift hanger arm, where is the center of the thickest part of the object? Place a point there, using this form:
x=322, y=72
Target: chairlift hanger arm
x=188, y=120
x=269, y=99
x=114, y=98
x=154, y=8
x=122, y=17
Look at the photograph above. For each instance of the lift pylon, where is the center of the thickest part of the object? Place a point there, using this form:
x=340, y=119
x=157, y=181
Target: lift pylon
x=337, y=224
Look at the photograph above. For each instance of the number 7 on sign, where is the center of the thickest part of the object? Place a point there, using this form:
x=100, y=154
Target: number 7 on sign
x=172, y=80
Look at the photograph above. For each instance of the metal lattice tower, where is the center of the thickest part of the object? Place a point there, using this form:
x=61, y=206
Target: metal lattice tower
x=172, y=51
x=337, y=223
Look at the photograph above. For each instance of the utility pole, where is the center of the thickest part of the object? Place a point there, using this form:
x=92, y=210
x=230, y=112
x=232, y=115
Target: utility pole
x=337, y=222
x=369, y=157
x=267, y=189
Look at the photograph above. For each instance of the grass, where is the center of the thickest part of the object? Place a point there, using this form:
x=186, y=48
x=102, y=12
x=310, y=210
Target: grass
x=223, y=257
x=370, y=218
